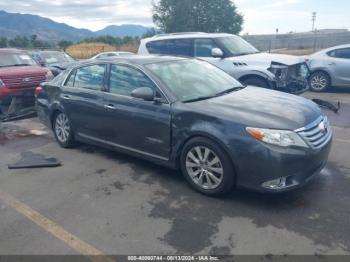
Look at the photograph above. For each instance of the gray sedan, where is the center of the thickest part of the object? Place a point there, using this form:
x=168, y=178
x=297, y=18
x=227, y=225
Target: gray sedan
x=330, y=67
x=188, y=114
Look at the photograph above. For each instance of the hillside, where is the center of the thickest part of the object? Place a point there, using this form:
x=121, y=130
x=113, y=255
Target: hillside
x=123, y=30
x=14, y=24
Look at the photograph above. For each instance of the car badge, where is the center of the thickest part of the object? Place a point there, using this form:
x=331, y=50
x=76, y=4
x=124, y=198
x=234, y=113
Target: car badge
x=27, y=79
x=322, y=127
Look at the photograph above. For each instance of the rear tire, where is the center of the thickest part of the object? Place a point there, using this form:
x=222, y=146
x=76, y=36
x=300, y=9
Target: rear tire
x=319, y=81
x=256, y=81
x=63, y=131
x=207, y=167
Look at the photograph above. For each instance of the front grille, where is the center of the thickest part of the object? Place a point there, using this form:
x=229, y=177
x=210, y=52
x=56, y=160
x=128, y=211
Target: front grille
x=24, y=81
x=318, y=133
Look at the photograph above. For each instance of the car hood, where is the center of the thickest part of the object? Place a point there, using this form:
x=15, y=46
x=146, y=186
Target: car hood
x=18, y=71
x=266, y=59
x=258, y=107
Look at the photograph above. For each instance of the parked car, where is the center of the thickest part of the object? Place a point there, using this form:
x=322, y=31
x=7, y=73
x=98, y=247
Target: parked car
x=56, y=61
x=237, y=57
x=330, y=67
x=19, y=76
x=111, y=54
x=188, y=114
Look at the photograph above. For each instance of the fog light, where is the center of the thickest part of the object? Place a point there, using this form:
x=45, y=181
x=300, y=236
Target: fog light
x=278, y=183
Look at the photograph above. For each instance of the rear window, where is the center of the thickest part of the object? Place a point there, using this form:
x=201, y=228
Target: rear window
x=177, y=47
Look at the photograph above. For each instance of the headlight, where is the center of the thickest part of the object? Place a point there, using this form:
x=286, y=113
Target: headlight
x=279, y=70
x=1, y=83
x=282, y=138
x=49, y=76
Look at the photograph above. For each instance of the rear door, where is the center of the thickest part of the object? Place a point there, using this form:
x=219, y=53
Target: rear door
x=82, y=99
x=339, y=64
x=134, y=124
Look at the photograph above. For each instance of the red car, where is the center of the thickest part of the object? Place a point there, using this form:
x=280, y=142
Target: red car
x=19, y=76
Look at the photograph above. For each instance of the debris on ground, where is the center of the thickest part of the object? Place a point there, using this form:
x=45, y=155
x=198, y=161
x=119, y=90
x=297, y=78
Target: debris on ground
x=327, y=105
x=31, y=160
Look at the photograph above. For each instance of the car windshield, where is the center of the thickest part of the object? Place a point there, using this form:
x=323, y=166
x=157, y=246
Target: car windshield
x=236, y=46
x=192, y=80
x=15, y=59
x=56, y=57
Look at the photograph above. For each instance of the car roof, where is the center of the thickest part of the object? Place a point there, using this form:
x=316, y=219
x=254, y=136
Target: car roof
x=136, y=59
x=334, y=48
x=185, y=35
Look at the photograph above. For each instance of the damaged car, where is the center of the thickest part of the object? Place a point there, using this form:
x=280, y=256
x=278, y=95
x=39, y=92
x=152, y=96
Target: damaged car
x=19, y=76
x=235, y=56
x=56, y=61
x=189, y=115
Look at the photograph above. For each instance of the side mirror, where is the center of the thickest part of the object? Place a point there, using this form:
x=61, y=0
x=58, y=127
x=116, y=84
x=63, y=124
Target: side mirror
x=144, y=93
x=217, y=52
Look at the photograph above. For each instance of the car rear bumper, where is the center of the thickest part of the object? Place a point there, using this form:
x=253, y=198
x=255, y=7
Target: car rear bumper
x=292, y=167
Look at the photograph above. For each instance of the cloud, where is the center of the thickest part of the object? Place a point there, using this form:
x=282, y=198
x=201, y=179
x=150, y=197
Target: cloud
x=90, y=14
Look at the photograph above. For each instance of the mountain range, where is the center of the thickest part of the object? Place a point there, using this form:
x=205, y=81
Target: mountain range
x=15, y=24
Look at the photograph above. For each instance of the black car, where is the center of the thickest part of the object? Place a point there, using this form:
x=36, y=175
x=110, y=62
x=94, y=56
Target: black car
x=56, y=61
x=188, y=114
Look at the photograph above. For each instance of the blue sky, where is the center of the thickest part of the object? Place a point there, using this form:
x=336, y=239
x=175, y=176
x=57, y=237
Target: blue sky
x=261, y=16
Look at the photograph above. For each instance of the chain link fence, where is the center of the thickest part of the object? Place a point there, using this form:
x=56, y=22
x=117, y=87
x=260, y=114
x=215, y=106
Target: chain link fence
x=312, y=41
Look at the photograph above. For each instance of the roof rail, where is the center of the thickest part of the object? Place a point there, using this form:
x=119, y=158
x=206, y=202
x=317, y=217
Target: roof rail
x=180, y=33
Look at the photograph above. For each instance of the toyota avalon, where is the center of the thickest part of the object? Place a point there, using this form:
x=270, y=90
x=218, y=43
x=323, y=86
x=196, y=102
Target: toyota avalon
x=188, y=114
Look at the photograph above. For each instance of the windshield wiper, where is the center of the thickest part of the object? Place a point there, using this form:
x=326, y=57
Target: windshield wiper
x=198, y=99
x=230, y=90
x=227, y=91
x=21, y=65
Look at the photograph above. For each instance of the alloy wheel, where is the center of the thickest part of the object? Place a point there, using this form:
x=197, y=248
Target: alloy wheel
x=318, y=82
x=62, y=128
x=204, y=167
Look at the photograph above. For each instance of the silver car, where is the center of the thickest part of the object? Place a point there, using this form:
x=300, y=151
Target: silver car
x=111, y=55
x=330, y=67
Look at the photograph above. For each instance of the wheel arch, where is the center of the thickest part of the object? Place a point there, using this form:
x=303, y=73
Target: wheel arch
x=212, y=139
x=331, y=81
x=252, y=75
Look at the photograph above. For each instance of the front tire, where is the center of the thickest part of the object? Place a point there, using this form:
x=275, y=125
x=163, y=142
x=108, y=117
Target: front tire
x=63, y=131
x=319, y=81
x=206, y=167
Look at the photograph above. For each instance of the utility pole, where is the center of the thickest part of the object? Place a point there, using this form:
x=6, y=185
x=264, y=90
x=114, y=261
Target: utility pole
x=314, y=15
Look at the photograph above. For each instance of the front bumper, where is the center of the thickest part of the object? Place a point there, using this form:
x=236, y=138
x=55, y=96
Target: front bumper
x=265, y=163
x=294, y=80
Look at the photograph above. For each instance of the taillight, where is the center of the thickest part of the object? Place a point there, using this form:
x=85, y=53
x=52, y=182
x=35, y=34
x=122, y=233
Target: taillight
x=38, y=91
x=49, y=76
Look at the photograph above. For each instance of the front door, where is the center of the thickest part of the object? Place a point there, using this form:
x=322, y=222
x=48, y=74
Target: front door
x=134, y=124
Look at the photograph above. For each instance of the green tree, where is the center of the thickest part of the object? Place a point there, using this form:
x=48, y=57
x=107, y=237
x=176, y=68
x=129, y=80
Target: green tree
x=197, y=15
x=3, y=42
x=64, y=44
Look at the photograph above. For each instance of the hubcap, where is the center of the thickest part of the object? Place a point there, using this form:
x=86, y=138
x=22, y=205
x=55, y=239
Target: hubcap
x=62, y=128
x=318, y=82
x=204, y=167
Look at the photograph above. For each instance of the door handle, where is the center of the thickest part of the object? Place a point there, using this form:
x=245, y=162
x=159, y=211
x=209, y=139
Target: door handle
x=110, y=107
x=66, y=97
